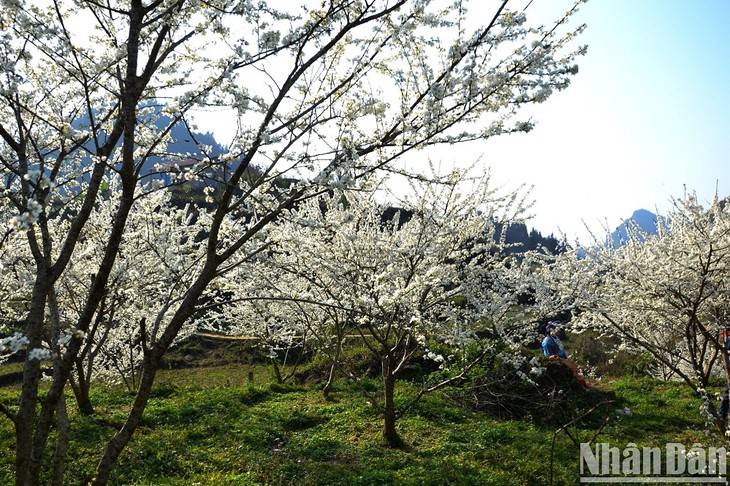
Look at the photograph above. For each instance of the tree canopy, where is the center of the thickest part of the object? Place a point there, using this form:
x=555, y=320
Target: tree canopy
x=323, y=93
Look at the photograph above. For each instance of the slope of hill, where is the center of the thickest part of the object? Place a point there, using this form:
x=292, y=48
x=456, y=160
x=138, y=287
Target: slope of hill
x=642, y=218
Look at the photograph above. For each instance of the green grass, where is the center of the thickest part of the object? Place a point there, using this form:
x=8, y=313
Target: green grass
x=210, y=427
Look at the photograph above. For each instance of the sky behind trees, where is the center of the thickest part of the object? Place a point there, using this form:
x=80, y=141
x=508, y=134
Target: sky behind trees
x=645, y=118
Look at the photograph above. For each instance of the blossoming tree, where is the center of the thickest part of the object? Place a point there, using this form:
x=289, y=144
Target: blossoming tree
x=254, y=302
x=665, y=294
x=157, y=259
x=321, y=93
x=419, y=284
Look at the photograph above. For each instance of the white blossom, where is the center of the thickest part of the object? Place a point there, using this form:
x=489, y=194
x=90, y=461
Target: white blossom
x=39, y=354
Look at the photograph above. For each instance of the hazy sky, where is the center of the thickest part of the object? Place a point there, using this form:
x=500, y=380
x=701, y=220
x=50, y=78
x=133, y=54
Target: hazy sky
x=647, y=115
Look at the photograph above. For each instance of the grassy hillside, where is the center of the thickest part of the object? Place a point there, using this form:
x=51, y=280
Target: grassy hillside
x=209, y=426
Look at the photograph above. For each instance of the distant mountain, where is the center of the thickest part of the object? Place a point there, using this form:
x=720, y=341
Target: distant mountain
x=184, y=144
x=519, y=240
x=645, y=220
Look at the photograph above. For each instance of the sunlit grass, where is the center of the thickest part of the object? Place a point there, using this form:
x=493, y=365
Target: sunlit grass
x=211, y=427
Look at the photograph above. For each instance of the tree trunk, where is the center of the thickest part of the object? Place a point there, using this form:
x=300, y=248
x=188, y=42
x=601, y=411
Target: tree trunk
x=64, y=436
x=389, y=413
x=117, y=444
x=63, y=424
x=150, y=365
x=721, y=422
x=81, y=389
x=52, y=405
x=328, y=386
x=335, y=360
x=277, y=372
x=25, y=420
x=27, y=409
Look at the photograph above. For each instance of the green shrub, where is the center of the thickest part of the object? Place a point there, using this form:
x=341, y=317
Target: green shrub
x=602, y=356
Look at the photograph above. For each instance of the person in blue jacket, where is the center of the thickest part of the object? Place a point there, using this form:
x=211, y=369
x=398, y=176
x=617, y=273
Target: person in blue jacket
x=552, y=348
x=551, y=344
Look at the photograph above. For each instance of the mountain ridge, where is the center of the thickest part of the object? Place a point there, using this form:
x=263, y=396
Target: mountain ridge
x=644, y=219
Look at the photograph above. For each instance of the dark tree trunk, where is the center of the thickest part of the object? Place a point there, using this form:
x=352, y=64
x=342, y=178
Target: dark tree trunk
x=81, y=393
x=390, y=434
x=277, y=372
x=117, y=444
x=335, y=360
x=27, y=409
x=150, y=366
x=64, y=437
x=389, y=412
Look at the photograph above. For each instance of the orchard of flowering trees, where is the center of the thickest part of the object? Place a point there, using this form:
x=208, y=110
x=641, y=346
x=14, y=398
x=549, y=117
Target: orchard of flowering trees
x=102, y=273
x=100, y=276
x=419, y=284
x=666, y=295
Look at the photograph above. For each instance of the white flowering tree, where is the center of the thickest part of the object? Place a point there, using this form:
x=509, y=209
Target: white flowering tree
x=252, y=302
x=417, y=284
x=157, y=255
x=666, y=295
x=157, y=260
x=320, y=93
x=16, y=282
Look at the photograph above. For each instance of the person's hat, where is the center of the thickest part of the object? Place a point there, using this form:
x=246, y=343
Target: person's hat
x=551, y=325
